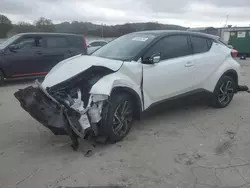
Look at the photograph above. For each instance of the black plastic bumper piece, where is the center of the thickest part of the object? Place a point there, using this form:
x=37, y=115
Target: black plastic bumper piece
x=242, y=88
x=43, y=109
x=47, y=112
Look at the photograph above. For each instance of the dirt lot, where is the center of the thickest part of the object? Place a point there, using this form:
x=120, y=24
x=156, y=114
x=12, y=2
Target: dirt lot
x=184, y=146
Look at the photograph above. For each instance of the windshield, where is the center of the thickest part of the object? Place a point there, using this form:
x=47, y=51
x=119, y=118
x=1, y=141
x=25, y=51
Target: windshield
x=125, y=48
x=8, y=41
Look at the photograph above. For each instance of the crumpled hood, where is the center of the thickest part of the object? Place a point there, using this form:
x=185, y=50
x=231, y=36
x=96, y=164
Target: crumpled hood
x=75, y=65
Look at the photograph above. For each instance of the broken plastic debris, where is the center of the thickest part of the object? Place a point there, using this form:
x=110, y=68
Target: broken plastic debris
x=95, y=112
x=88, y=153
x=97, y=98
x=84, y=121
x=78, y=103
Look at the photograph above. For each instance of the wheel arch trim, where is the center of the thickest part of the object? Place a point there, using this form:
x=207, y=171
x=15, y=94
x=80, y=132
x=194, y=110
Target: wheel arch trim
x=132, y=93
x=231, y=71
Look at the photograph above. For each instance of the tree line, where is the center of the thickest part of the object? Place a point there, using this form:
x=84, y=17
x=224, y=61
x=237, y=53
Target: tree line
x=7, y=28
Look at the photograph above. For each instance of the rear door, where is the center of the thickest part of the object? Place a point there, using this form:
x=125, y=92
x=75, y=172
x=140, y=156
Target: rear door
x=207, y=58
x=27, y=58
x=57, y=49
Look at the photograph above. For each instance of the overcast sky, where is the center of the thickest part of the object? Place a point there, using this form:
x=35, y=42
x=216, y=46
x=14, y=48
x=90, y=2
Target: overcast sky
x=193, y=13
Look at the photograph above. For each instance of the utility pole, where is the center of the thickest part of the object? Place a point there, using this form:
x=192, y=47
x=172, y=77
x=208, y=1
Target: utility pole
x=102, y=29
x=226, y=21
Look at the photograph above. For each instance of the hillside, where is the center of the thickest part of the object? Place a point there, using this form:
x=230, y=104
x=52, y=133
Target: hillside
x=88, y=28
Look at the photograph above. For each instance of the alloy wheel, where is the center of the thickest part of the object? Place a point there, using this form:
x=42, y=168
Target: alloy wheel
x=226, y=92
x=123, y=116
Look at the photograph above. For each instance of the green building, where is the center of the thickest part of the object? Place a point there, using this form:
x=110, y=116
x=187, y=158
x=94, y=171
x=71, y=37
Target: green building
x=238, y=37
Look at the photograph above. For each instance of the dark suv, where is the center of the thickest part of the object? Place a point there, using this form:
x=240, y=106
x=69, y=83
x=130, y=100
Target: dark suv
x=34, y=54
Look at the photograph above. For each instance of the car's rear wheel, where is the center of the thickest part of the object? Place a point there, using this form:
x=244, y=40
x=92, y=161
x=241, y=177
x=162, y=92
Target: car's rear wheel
x=1, y=78
x=224, y=92
x=117, y=117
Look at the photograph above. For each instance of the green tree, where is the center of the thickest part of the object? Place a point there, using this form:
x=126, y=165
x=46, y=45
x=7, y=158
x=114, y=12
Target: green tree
x=5, y=26
x=24, y=27
x=45, y=25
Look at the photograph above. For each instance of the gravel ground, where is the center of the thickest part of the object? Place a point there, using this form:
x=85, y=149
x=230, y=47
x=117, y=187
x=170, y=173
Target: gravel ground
x=179, y=145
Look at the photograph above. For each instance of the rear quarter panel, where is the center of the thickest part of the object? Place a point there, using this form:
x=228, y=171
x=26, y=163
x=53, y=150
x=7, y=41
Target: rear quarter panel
x=228, y=64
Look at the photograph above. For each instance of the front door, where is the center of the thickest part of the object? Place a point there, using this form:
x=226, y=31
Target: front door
x=173, y=74
x=26, y=58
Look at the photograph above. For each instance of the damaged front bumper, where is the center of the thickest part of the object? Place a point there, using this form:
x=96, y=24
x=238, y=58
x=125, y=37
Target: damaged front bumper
x=62, y=119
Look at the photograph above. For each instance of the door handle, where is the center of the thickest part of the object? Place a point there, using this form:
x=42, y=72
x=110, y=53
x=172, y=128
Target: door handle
x=189, y=64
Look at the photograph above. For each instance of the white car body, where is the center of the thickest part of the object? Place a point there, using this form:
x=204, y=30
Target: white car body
x=201, y=71
x=143, y=69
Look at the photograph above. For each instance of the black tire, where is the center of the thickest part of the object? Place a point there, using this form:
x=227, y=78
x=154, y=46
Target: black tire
x=1, y=78
x=223, y=92
x=112, y=117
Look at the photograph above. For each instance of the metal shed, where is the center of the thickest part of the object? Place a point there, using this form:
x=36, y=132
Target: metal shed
x=238, y=37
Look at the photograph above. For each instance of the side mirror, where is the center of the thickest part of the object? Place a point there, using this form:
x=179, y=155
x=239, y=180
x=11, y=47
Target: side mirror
x=89, y=46
x=230, y=46
x=13, y=47
x=156, y=58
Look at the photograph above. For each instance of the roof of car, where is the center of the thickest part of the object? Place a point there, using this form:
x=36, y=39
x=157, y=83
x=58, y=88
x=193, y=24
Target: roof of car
x=168, y=32
x=46, y=33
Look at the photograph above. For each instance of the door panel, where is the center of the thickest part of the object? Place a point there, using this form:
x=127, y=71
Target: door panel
x=57, y=49
x=173, y=75
x=168, y=78
x=207, y=58
x=26, y=60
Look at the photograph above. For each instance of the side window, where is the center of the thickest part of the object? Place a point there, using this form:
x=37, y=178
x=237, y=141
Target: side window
x=94, y=44
x=200, y=45
x=29, y=42
x=77, y=42
x=171, y=47
x=209, y=43
x=102, y=43
x=57, y=42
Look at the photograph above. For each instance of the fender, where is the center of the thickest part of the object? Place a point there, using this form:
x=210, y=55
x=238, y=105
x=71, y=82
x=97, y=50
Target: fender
x=224, y=69
x=106, y=84
x=119, y=82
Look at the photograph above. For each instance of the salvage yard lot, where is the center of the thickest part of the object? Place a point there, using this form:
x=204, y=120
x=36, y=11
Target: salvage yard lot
x=187, y=145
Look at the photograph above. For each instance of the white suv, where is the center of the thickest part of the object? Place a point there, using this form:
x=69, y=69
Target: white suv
x=103, y=93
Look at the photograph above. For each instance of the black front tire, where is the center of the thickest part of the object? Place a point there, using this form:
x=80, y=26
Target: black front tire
x=1, y=78
x=116, y=123
x=223, y=92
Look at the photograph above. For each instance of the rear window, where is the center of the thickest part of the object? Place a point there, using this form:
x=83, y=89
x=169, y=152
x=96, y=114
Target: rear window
x=199, y=44
x=223, y=43
x=56, y=42
x=209, y=43
x=77, y=41
x=98, y=43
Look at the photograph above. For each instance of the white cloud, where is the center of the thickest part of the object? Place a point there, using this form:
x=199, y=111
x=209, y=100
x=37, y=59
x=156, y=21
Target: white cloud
x=182, y=12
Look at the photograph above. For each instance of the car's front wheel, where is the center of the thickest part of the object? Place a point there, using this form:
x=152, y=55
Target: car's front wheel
x=117, y=117
x=224, y=92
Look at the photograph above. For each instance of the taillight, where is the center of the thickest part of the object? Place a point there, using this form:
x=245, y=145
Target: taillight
x=234, y=53
x=84, y=43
